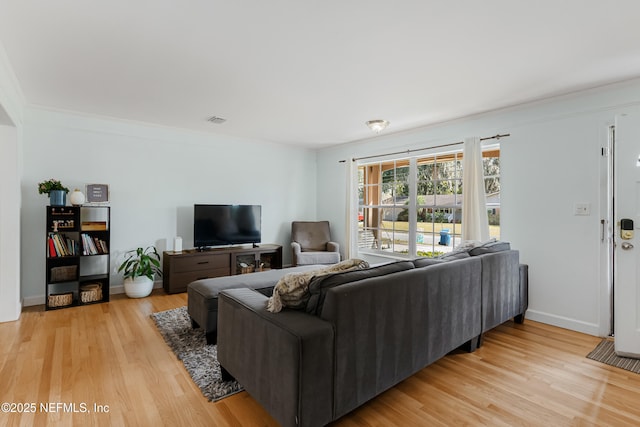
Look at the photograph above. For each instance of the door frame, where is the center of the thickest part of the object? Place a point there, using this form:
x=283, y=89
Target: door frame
x=607, y=227
x=607, y=222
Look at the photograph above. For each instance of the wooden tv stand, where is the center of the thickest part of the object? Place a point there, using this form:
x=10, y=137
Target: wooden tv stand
x=181, y=268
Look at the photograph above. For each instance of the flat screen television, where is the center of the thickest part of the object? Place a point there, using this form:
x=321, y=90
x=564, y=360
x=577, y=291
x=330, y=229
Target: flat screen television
x=220, y=225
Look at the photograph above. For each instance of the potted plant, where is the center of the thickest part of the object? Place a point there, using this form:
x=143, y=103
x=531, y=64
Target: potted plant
x=139, y=267
x=56, y=192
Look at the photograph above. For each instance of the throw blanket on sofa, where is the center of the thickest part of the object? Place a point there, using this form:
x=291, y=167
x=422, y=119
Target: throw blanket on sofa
x=292, y=290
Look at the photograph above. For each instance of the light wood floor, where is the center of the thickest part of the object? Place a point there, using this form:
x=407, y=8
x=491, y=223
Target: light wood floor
x=112, y=355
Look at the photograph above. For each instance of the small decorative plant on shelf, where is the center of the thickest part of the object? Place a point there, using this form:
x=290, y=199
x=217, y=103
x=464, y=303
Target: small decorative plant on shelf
x=56, y=192
x=139, y=267
x=46, y=187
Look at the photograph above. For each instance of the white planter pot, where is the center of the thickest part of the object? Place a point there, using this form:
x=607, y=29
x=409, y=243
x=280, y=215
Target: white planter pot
x=138, y=287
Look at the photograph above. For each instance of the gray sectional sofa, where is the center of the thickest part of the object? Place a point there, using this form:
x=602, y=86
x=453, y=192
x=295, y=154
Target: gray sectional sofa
x=364, y=331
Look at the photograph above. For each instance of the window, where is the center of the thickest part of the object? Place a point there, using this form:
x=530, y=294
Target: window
x=491, y=165
x=413, y=206
x=384, y=193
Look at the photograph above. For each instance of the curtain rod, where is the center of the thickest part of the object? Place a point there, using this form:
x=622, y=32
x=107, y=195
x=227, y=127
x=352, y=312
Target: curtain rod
x=498, y=136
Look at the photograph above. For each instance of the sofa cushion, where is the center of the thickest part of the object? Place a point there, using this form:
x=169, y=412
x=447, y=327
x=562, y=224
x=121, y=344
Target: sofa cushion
x=292, y=290
x=427, y=261
x=457, y=254
x=317, y=257
x=463, y=250
x=490, y=247
x=320, y=284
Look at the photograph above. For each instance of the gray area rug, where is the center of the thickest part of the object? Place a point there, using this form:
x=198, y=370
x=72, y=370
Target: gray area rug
x=604, y=352
x=190, y=346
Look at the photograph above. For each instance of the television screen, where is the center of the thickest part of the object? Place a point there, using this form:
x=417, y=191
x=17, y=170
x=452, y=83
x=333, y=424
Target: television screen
x=218, y=225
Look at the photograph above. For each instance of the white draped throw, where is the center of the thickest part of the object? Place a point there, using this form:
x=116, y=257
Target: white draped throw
x=475, y=223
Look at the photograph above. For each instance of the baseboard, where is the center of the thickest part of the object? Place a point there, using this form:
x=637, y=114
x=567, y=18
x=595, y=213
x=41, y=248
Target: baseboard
x=113, y=290
x=12, y=314
x=564, y=322
x=31, y=301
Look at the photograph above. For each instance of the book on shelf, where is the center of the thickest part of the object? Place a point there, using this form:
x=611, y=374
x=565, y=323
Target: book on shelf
x=72, y=245
x=102, y=245
x=60, y=245
x=51, y=248
x=93, y=245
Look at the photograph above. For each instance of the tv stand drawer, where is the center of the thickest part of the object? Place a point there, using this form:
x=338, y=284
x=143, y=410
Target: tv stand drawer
x=200, y=262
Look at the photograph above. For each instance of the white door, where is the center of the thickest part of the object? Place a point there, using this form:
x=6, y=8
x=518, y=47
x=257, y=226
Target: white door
x=626, y=256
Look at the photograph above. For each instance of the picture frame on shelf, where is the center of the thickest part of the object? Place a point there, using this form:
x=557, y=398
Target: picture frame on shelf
x=97, y=194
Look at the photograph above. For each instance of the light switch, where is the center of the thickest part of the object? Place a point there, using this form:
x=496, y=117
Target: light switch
x=582, y=209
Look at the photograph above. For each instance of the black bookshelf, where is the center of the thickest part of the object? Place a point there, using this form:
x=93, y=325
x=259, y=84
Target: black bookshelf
x=78, y=242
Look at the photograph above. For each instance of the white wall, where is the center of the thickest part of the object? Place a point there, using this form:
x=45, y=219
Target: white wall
x=550, y=162
x=11, y=101
x=10, y=301
x=11, y=97
x=155, y=176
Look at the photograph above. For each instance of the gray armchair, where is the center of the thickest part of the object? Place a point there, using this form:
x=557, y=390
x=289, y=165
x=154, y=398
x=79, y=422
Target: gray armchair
x=311, y=243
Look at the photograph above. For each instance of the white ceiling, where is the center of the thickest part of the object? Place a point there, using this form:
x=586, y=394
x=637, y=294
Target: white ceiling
x=311, y=72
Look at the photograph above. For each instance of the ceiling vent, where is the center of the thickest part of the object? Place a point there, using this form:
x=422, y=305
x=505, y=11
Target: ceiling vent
x=217, y=120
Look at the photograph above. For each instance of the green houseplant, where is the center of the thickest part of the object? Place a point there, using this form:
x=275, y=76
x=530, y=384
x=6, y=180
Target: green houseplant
x=139, y=267
x=46, y=187
x=54, y=189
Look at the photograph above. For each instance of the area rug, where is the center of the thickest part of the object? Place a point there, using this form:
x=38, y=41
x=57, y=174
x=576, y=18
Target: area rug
x=200, y=359
x=604, y=352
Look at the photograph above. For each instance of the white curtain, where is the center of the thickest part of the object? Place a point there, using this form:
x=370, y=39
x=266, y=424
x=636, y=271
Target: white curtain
x=351, y=238
x=475, y=223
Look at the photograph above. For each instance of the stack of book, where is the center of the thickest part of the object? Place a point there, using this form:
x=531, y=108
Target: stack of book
x=94, y=225
x=93, y=245
x=59, y=245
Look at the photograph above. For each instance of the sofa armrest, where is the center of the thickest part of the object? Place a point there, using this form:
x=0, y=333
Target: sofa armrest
x=284, y=360
x=501, y=294
x=296, y=248
x=333, y=247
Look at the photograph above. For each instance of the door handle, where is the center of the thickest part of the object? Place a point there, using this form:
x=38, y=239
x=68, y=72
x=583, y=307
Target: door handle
x=627, y=246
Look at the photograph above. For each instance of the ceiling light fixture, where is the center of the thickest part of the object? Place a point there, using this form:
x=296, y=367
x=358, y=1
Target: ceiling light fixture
x=377, y=125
